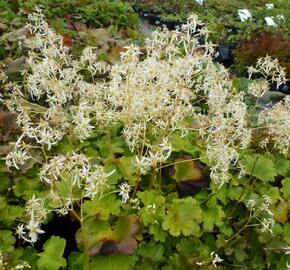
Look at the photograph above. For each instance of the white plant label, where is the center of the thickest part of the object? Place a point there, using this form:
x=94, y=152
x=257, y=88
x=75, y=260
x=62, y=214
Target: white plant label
x=270, y=6
x=244, y=14
x=270, y=21
x=281, y=17
x=199, y=1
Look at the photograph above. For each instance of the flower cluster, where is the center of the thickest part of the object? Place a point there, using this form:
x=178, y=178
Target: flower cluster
x=37, y=214
x=270, y=69
x=150, y=95
x=276, y=120
x=78, y=173
x=261, y=212
x=258, y=88
x=19, y=266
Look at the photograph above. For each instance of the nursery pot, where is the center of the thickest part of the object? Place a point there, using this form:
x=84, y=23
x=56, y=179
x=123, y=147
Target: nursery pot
x=225, y=55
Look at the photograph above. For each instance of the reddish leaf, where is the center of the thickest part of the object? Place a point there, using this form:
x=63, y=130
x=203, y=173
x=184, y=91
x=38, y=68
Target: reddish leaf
x=67, y=41
x=15, y=65
x=128, y=246
x=108, y=248
x=190, y=176
x=71, y=25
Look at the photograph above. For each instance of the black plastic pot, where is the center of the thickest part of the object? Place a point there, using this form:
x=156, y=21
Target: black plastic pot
x=171, y=25
x=144, y=14
x=225, y=55
x=232, y=30
x=154, y=20
x=284, y=88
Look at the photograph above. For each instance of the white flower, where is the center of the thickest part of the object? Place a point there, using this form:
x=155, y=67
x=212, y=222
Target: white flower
x=20, y=231
x=124, y=190
x=216, y=259
x=270, y=21
x=62, y=211
x=91, y=189
x=142, y=164
x=33, y=230
x=17, y=157
x=244, y=14
x=267, y=224
x=286, y=250
x=258, y=88
x=21, y=266
x=251, y=203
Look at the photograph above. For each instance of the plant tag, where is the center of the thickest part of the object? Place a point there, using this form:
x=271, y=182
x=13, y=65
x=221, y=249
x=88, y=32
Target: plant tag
x=270, y=6
x=281, y=17
x=244, y=14
x=270, y=21
x=199, y=1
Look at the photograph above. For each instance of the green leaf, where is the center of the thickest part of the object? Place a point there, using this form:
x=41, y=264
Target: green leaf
x=286, y=233
x=27, y=187
x=114, y=262
x=282, y=166
x=280, y=212
x=272, y=192
x=152, y=251
x=240, y=255
x=103, y=208
x=63, y=188
x=188, y=247
x=3, y=203
x=213, y=215
x=208, y=220
x=11, y=213
x=286, y=188
x=241, y=84
x=154, y=206
x=235, y=192
x=187, y=170
x=65, y=146
x=182, y=217
x=51, y=258
x=91, y=152
x=127, y=169
x=7, y=241
x=30, y=255
x=113, y=178
x=183, y=144
x=5, y=182
x=109, y=145
x=157, y=232
x=259, y=166
x=126, y=226
x=92, y=232
x=78, y=260
x=104, y=147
